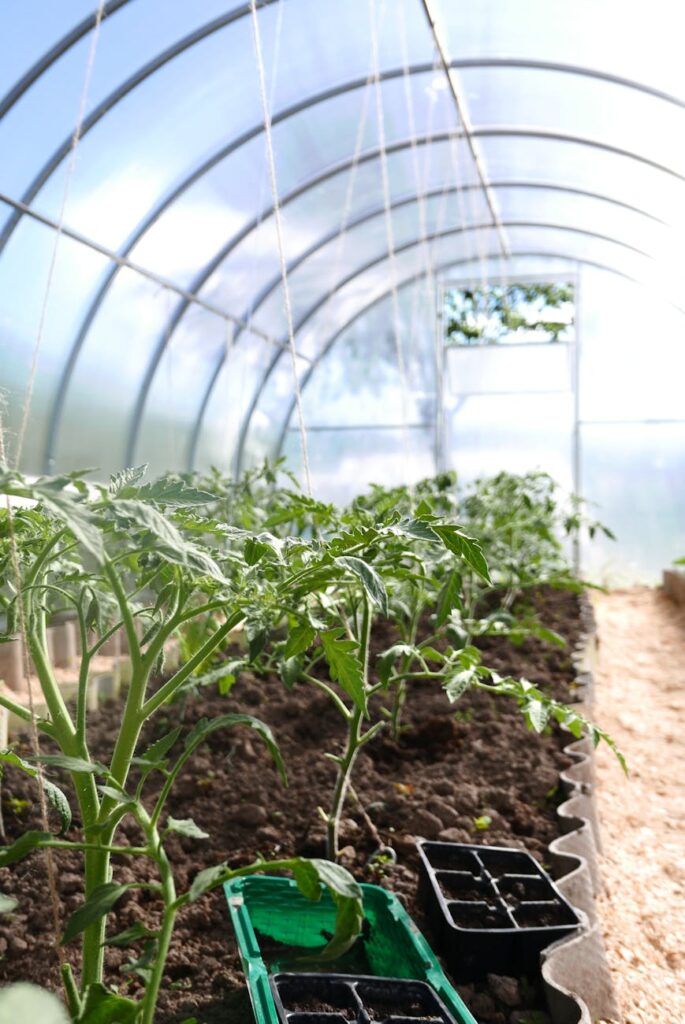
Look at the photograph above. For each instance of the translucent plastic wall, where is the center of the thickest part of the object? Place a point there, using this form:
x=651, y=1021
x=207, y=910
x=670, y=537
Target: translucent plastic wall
x=141, y=300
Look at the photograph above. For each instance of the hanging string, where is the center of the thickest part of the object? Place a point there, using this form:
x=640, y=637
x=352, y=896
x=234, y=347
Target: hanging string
x=69, y=174
x=14, y=551
x=287, y=304
x=389, y=232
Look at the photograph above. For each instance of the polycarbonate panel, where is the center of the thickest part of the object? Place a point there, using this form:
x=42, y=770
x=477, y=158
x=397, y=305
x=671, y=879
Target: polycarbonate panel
x=177, y=389
x=322, y=273
x=359, y=380
x=577, y=105
x=595, y=215
x=633, y=351
x=518, y=433
x=22, y=298
x=253, y=263
x=109, y=372
x=229, y=401
x=608, y=35
x=509, y=368
x=343, y=463
x=38, y=32
x=635, y=475
x=519, y=157
x=127, y=41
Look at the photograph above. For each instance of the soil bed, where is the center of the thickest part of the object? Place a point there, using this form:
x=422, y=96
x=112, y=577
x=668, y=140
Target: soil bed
x=445, y=772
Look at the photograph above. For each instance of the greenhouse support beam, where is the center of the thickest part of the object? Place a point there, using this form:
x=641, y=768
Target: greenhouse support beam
x=465, y=121
x=451, y=232
x=439, y=268
x=150, y=275
x=297, y=261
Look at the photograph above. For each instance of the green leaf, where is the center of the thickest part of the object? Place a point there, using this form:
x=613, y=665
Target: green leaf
x=77, y=765
x=118, y=795
x=299, y=639
x=173, y=491
x=125, y=478
x=53, y=794
x=387, y=660
x=157, y=751
x=170, y=543
x=457, y=684
x=345, y=665
x=207, y=879
x=307, y=877
x=100, y=902
x=206, y=726
x=468, y=549
x=77, y=518
x=185, y=827
x=536, y=714
x=133, y=934
x=290, y=671
x=7, y=903
x=22, y=846
x=449, y=598
x=370, y=580
x=337, y=878
x=103, y=1007
x=23, y=1001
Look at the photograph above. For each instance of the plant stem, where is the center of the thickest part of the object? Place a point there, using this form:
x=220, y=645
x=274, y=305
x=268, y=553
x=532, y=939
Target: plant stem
x=352, y=746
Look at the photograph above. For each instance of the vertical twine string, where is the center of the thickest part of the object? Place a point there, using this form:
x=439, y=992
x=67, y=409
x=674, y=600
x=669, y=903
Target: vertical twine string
x=287, y=304
x=26, y=407
x=69, y=174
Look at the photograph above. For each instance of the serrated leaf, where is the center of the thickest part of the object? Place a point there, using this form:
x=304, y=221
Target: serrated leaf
x=169, y=542
x=370, y=580
x=100, y=902
x=79, y=520
x=185, y=827
x=299, y=639
x=449, y=598
x=125, y=478
x=468, y=549
x=206, y=726
x=22, y=846
x=387, y=660
x=174, y=492
x=457, y=684
x=345, y=665
x=207, y=879
x=70, y=764
x=536, y=714
x=137, y=931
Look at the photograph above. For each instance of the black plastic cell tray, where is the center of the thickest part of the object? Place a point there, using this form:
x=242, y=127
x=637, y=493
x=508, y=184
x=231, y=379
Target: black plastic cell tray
x=492, y=909
x=355, y=999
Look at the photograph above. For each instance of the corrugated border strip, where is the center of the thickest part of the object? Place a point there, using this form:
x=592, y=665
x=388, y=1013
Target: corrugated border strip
x=579, y=965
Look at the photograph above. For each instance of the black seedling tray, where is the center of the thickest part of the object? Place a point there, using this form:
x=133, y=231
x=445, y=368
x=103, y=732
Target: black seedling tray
x=355, y=999
x=492, y=909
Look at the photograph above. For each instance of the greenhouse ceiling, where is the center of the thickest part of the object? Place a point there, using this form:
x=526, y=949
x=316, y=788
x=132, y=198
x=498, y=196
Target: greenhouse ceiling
x=141, y=286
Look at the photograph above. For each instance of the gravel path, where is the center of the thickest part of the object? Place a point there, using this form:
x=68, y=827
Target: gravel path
x=640, y=700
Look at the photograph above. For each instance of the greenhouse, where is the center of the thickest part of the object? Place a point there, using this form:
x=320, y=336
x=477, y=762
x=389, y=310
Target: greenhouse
x=342, y=512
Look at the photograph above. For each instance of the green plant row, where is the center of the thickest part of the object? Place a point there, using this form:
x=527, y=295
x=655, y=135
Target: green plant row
x=308, y=583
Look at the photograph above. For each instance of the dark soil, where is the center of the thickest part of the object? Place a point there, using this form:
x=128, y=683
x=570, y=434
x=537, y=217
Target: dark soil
x=442, y=774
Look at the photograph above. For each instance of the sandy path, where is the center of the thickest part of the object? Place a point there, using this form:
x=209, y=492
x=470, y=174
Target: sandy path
x=640, y=700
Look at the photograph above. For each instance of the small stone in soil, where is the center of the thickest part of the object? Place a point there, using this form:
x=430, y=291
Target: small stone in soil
x=251, y=815
x=505, y=989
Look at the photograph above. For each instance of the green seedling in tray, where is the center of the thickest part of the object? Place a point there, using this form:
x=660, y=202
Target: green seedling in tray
x=271, y=914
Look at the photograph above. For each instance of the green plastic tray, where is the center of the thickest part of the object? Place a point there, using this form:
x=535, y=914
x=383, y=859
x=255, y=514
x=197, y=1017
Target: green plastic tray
x=274, y=907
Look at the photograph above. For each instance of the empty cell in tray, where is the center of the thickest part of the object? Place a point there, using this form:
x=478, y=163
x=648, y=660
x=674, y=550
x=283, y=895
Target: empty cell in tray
x=307, y=994
x=507, y=862
x=319, y=1018
x=460, y=885
x=516, y=889
x=544, y=915
x=479, y=916
x=446, y=857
